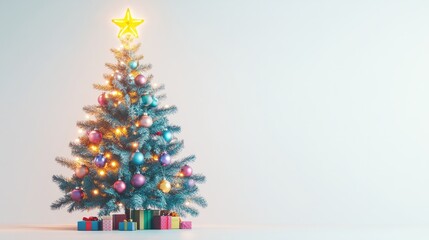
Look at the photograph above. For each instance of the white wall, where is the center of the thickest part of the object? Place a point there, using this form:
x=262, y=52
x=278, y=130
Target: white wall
x=301, y=112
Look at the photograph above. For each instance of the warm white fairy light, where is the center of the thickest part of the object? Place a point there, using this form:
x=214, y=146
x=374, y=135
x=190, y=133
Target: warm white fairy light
x=187, y=203
x=80, y=131
x=87, y=116
x=77, y=140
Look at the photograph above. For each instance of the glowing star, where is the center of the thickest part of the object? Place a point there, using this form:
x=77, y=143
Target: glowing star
x=128, y=24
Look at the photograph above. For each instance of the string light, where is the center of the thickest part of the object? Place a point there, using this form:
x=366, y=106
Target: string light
x=180, y=174
x=87, y=116
x=107, y=155
x=177, y=185
x=118, y=131
x=113, y=164
x=187, y=203
x=101, y=172
x=94, y=148
x=80, y=131
x=77, y=140
x=135, y=145
x=95, y=192
x=137, y=124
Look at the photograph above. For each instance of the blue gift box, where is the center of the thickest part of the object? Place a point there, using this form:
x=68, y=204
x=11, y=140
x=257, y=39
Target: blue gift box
x=88, y=225
x=127, y=226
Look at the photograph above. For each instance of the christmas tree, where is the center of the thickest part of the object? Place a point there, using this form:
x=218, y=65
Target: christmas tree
x=127, y=158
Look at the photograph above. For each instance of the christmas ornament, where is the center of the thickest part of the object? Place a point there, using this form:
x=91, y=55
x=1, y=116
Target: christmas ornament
x=133, y=64
x=167, y=135
x=186, y=171
x=165, y=159
x=146, y=100
x=140, y=80
x=102, y=100
x=128, y=24
x=154, y=102
x=137, y=158
x=81, y=171
x=76, y=194
x=119, y=186
x=138, y=180
x=100, y=161
x=190, y=183
x=146, y=120
x=164, y=186
x=95, y=136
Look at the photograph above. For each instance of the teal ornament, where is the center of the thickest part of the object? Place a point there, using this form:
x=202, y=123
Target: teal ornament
x=167, y=135
x=133, y=64
x=137, y=158
x=154, y=102
x=147, y=100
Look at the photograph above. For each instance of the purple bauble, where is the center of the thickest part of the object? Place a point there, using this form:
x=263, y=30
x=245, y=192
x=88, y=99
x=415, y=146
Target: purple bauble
x=140, y=80
x=190, y=183
x=165, y=159
x=146, y=121
x=186, y=171
x=95, y=136
x=102, y=100
x=100, y=161
x=76, y=195
x=119, y=186
x=81, y=171
x=138, y=180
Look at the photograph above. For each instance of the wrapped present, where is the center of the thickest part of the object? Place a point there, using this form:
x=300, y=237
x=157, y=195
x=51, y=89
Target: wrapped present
x=161, y=222
x=117, y=218
x=127, y=226
x=185, y=225
x=148, y=217
x=106, y=223
x=175, y=222
x=138, y=217
x=88, y=224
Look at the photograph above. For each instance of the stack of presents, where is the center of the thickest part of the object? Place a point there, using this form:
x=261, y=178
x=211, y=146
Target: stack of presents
x=135, y=220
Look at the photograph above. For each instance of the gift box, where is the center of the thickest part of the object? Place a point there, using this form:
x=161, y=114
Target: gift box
x=185, y=225
x=148, y=218
x=117, y=218
x=127, y=226
x=88, y=224
x=175, y=222
x=138, y=217
x=106, y=223
x=161, y=222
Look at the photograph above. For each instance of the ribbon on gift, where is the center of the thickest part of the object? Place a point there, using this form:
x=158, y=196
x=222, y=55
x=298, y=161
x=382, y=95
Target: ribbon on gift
x=90, y=218
x=174, y=214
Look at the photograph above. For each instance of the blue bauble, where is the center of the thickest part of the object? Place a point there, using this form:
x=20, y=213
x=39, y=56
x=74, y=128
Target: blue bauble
x=100, y=161
x=167, y=135
x=154, y=102
x=165, y=159
x=147, y=100
x=133, y=64
x=137, y=158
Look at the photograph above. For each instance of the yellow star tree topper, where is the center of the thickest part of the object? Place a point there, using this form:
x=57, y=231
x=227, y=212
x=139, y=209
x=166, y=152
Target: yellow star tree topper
x=128, y=24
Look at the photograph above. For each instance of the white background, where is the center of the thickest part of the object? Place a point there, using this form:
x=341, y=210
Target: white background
x=300, y=112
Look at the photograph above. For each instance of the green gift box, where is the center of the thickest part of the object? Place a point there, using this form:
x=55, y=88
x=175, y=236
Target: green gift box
x=138, y=216
x=175, y=222
x=148, y=216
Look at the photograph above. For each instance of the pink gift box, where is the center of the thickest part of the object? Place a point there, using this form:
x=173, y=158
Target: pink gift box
x=106, y=223
x=161, y=222
x=185, y=225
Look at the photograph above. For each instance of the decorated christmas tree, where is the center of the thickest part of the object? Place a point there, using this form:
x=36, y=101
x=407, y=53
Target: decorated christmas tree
x=127, y=156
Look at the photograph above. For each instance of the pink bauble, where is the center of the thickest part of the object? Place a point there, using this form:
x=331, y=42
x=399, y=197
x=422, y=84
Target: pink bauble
x=138, y=180
x=120, y=186
x=140, y=80
x=76, y=195
x=102, y=100
x=146, y=121
x=81, y=171
x=186, y=171
x=95, y=136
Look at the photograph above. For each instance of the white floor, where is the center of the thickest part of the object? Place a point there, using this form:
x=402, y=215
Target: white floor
x=64, y=232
